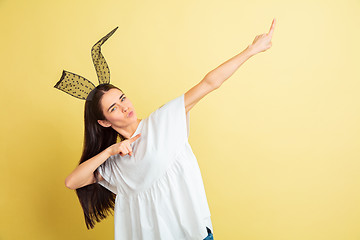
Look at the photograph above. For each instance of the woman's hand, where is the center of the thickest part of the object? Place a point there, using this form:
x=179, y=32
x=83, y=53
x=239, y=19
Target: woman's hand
x=262, y=42
x=123, y=147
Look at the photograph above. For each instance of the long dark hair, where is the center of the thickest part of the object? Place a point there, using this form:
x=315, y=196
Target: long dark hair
x=96, y=201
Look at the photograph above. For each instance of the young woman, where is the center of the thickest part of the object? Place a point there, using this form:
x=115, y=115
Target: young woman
x=150, y=178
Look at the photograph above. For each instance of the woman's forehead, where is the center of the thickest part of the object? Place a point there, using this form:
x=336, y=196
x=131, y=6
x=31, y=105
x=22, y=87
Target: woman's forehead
x=111, y=96
x=112, y=93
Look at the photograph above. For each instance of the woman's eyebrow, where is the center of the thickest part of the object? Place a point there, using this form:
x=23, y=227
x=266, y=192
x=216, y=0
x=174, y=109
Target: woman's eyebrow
x=115, y=103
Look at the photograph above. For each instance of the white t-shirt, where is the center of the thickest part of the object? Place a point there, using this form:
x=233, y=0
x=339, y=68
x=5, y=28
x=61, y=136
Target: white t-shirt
x=159, y=189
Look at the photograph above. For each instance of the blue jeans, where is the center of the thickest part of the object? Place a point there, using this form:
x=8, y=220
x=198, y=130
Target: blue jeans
x=210, y=236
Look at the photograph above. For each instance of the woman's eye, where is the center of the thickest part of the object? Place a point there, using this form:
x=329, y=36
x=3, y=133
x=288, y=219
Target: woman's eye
x=115, y=107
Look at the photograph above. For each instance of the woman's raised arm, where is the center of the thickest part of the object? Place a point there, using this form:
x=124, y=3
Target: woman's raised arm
x=215, y=78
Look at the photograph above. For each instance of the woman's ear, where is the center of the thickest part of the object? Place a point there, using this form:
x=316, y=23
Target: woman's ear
x=104, y=123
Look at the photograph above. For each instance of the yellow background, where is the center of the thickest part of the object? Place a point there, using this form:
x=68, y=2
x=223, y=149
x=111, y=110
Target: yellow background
x=277, y=143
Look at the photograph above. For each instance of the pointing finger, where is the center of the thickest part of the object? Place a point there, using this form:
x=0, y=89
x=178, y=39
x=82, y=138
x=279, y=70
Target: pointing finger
x=272, y=27
x=135, y=138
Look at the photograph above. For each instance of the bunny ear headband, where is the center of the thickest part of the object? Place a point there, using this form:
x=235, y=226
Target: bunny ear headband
x=78, y=86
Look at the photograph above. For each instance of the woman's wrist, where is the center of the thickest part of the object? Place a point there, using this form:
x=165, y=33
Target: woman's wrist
x=107, y=152
x=250, y=51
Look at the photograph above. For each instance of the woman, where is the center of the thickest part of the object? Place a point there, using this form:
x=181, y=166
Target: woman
x=150, y=177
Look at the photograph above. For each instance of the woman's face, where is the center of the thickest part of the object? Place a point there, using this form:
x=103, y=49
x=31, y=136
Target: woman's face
x=116, y=108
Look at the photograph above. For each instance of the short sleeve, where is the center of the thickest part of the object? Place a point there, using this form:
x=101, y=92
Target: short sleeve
x=106, y=171
x=170, y=124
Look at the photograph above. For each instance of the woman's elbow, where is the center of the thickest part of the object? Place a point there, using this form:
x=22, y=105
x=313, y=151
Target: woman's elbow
x=69, y=185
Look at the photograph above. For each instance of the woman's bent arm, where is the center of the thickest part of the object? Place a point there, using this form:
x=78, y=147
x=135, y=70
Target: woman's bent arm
x=84, y=173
